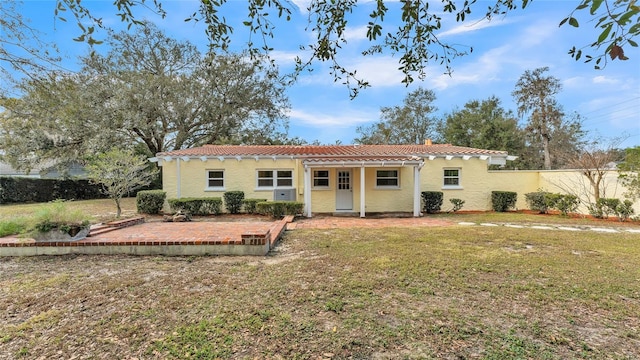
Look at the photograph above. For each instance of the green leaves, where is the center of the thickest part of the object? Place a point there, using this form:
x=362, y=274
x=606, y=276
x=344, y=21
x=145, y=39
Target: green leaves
x=620, y=23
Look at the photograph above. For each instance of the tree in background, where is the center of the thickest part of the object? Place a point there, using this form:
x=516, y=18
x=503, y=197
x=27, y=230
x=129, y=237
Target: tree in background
x=630, y=172
x=484, y=125
x=411, y=123
x=594, y=161
x=54, y=123
x=150, y=90
x=534, y=95
x=169, y=96
x=21, y=48
x=119, y=172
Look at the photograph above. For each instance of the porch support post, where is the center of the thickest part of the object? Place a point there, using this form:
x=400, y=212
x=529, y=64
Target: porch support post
x=307, y=191
x=178, y=180
x=362, y=202
x=416, y=191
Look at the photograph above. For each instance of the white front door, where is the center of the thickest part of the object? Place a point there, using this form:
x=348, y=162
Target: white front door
x=344, y=192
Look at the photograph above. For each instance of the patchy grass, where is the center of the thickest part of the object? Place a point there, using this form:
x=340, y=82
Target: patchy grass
x=98, y=209
x=15, y=218
x=395, y=293
x=13, y=226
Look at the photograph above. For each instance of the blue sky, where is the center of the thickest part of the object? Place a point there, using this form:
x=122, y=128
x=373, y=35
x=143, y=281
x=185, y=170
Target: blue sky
x=608, y=100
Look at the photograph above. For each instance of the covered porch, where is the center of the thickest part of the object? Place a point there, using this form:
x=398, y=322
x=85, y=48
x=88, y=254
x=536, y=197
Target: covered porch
x=352, y=185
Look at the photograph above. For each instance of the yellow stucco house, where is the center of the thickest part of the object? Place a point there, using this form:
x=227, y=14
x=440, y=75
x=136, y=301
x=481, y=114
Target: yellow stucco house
x=357, y=179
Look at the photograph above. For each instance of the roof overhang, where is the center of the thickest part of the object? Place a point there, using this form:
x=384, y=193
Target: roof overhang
x=347, y=163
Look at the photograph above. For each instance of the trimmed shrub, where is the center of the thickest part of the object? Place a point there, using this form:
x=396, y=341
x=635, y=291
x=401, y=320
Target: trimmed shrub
x=538, y=201
x=604, y=207
x=612, y=206
x=233, y=201
x=150, y=201
x=624, y=210
x=564, y=203
x=502, y=201
x=278, y=209
x=432, y=201
x=250, y=205
x=457, y=204
x=211, y=206
x=595, y=210
x=197, y=206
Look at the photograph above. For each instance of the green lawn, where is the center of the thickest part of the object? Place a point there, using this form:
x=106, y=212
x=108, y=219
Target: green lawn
x=396, y=293
x=99, y=209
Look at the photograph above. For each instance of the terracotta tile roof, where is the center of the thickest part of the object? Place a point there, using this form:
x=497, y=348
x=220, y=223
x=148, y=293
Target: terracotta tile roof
x=381, y=152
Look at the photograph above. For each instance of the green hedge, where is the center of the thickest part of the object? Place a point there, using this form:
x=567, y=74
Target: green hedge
x=278, y=209
x=612, y=206
x=564, y=203
x=24, y=190
x=250, y=205
x=502, y=201
x=233, y=201
x=543, y=201
x=538, y=201
x=432, y=201
x=150, y=201
x=197, y=206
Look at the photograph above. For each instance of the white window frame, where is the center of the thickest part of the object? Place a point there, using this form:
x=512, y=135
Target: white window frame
x=327, y=178
x=458, y=178
x=274, y=179
x=397, y=178
x=208, y=178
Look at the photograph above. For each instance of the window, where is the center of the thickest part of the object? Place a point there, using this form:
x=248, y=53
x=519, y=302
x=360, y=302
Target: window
x=215, y=179
x=285, y=178
x=321, y=178
x=275, y=178
x=387, y=178
x=451, y=178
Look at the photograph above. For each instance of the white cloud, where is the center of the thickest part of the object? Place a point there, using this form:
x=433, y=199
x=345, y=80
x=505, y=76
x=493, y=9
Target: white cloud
x=604, y=80
x=303, y=5
x=576, y=82
x=286, y=57
x=379, y=71
x=355, y=33
x=343, y=119
x=475, y=25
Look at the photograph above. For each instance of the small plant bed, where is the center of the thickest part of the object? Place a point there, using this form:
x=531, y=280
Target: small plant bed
x=61, y=232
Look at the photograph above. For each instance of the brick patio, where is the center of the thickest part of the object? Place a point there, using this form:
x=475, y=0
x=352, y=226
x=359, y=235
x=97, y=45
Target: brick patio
x=186, y=238
x=198, y=237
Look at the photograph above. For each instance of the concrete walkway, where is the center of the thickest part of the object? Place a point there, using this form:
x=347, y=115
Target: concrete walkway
x=611, y=230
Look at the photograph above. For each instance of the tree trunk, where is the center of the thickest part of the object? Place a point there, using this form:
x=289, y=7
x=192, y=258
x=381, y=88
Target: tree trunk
x=547, y=155
x=118, y=209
